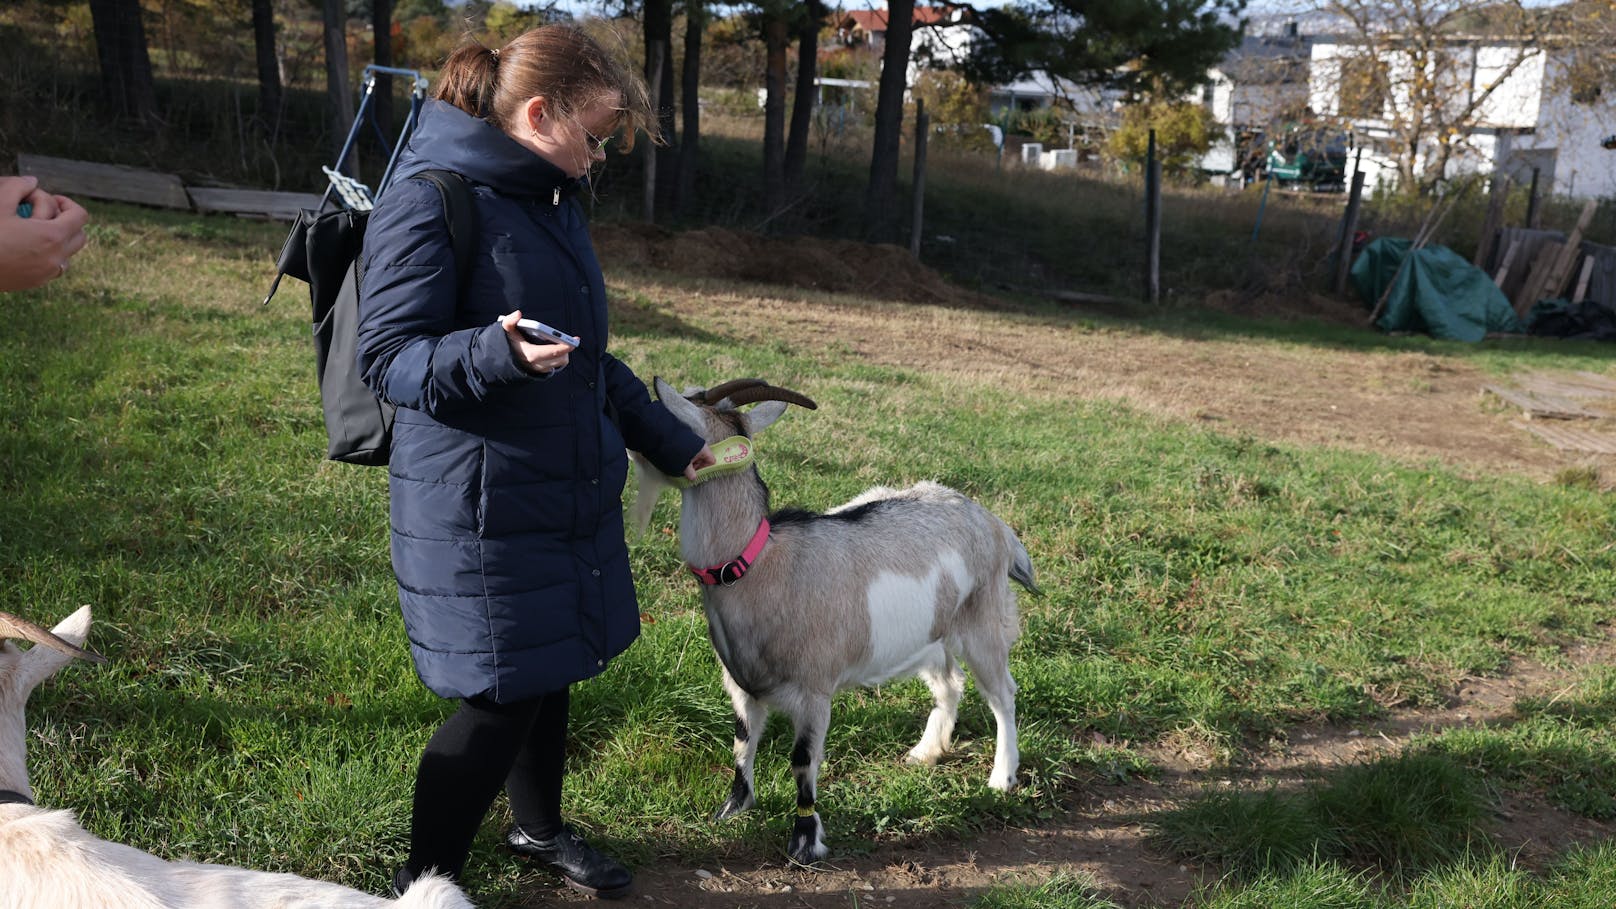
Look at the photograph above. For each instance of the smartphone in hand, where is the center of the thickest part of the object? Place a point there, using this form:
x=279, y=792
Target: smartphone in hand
x=540, y=333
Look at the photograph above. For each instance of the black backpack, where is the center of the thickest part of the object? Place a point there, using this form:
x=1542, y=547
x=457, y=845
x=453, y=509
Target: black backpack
x=323, y=250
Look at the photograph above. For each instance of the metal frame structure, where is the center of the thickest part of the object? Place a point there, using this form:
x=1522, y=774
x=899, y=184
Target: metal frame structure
x=351, y=193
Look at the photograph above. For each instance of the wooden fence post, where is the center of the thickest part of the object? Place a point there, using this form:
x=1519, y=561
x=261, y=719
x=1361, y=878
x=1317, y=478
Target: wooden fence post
x=654, y=64
x=1349, y=227
x=1152, y=222
x=1534, y=218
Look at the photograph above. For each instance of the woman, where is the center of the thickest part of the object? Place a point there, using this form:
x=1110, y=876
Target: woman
x=508, y=456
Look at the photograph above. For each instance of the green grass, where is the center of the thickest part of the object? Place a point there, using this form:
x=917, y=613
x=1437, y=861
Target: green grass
x=1404, y=815
x=1563, y=746
x=160, y=452
x=1584, y=879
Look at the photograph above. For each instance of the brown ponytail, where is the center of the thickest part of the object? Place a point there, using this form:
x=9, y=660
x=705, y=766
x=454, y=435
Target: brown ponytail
x=561, y=63
x=467, y=78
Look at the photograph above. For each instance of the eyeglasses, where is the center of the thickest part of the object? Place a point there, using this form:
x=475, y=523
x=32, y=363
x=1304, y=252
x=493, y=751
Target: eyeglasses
x=595, y=143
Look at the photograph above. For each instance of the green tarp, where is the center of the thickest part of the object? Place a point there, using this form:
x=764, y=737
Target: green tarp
x=1438, y=293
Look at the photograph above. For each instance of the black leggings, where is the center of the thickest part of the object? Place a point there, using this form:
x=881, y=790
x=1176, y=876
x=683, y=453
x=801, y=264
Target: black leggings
x=479, y=747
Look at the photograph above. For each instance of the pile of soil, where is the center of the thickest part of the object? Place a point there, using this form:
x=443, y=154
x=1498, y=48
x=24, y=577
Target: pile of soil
x=1289, y=306
x=876, y=270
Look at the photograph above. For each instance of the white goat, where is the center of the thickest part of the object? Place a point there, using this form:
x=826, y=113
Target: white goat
x=48, y=861
x=895, y=583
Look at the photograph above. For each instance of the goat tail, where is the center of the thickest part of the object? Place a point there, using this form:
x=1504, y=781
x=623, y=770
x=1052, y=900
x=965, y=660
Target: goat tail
x=1021, y=570
x=433, y=892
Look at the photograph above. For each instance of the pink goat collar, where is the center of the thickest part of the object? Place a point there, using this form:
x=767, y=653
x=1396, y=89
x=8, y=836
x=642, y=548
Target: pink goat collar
x=732, y=571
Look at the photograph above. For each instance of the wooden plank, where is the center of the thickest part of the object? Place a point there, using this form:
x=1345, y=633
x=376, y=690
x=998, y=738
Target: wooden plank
x=1566, y=386
x=1509, y=259
x=1498, y=194
x=115, y=182
x=1538, y=406
x=1531, y=242
x=1568, y=438
x=1555, y=286
x=1602, y=283
x=252, y=202
x=1595, y=380
x=1537, y=277
x=1582, y=282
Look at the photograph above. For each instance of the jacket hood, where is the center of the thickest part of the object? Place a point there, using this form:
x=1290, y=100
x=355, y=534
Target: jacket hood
x=447, y=137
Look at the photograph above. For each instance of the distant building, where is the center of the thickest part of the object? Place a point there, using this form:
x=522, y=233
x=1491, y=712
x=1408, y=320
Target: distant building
x=944, y=37
x=1536, y=117
x=1261, y=83
x=1254, y=92
x=868, y=27
x=1040, y=91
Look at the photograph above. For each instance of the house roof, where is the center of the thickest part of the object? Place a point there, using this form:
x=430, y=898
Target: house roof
x=1084, y=99
x=1268, y=60
x=875, y=20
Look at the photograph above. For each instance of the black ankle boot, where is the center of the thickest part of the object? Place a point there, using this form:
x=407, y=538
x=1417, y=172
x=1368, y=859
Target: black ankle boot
x=402, y=879
x=579, y=864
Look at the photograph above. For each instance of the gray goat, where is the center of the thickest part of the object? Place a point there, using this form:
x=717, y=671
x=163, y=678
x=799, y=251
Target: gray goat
x=894, y=584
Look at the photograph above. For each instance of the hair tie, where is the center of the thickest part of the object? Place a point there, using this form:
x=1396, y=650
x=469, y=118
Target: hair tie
x=495, y=52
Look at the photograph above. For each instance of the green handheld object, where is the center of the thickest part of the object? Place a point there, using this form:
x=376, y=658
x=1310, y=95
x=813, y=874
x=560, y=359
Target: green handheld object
x=25, y=210
x=733, y=454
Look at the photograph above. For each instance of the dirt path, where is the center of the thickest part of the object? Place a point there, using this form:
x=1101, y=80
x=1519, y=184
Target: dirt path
x=1100, y=839
x=1414, y=407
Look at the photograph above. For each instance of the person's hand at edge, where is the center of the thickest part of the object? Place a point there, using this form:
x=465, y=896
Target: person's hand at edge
x=34, y=250
x=540, y=359
x=703, y=458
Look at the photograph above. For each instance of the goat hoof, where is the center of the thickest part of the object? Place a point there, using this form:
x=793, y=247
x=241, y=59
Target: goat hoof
x=807, y=852
x=730, y=809
x=923, y=758
x=807, y=843
x=1004, y=784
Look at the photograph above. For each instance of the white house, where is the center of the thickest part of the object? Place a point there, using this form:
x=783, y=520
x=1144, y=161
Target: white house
x=1261, y=82
x=1533, y=118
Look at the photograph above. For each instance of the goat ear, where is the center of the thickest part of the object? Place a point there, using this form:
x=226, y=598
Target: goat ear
x=680, y=406
x=763, y=416
x=44, y=658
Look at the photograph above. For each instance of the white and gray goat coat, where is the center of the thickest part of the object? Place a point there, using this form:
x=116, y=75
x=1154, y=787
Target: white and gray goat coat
x=895, y=583
x=49, y=861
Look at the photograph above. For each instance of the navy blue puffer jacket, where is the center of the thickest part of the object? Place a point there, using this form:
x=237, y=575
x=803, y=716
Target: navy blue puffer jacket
x=507, y=527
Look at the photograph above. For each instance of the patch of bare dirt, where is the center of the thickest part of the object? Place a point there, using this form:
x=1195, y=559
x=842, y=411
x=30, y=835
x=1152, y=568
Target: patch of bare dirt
x=878, y=304
x=846, y=299
x=1100, y=837
x=844, y=266
x=1289, y=306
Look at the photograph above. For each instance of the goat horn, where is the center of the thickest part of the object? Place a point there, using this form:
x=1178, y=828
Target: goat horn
x=768, y=392
x=24, y=630
x=723, y=389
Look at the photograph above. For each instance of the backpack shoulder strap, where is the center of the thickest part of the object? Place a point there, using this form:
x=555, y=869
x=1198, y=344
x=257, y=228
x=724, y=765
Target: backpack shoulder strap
x=460, y=210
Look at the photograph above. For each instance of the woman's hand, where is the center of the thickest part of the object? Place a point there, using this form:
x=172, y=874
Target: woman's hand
x=703, y=458
x=542, y=359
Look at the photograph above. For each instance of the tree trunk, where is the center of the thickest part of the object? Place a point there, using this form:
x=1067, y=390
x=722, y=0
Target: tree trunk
x=382, y=39
x=690, y=106
x=126, y=73
x=654, y=54
x=881, y=194
x=775, y=37
x=336, y=82
x=659, y=33
x=269, y=71
x=802, y=106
